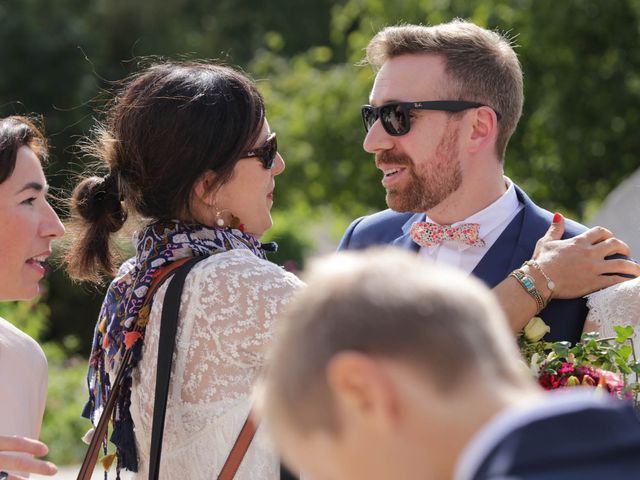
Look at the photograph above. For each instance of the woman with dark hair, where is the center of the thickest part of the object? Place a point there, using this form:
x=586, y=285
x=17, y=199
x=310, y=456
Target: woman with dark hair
x=29, y=224
x=189, y=152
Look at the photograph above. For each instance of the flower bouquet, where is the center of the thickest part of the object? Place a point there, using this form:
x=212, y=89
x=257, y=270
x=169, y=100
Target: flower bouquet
x=607, y=364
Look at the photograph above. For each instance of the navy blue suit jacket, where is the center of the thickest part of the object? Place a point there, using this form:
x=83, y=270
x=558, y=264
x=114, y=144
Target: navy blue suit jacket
x=511, y=249
x=598, y=443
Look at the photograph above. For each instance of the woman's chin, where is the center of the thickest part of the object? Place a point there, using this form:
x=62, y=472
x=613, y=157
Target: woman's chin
x=23, y=294
x=258, y=231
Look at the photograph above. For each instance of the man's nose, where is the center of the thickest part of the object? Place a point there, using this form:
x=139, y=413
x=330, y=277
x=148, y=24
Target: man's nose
x=377, y=139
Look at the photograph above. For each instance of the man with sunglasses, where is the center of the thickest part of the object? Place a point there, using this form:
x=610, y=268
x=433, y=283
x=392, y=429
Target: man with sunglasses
x=445, y=102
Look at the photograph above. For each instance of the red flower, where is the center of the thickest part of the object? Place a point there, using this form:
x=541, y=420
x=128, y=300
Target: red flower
x=566, y=368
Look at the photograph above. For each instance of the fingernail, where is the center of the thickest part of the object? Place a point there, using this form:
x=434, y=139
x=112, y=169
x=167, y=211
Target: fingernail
x=556, y=217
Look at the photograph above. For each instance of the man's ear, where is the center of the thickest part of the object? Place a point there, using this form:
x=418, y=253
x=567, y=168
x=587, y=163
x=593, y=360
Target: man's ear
x=484, y=129
x=362, y=389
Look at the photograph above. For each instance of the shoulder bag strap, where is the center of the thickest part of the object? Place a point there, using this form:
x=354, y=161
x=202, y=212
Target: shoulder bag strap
x=166, y=347
x=239, y=450
x=91, y=457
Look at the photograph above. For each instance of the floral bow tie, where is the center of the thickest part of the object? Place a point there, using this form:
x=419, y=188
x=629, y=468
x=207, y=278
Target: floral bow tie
x=428, y=234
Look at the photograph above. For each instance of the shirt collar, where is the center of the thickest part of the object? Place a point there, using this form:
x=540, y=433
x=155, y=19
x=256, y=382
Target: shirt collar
x=494, y=215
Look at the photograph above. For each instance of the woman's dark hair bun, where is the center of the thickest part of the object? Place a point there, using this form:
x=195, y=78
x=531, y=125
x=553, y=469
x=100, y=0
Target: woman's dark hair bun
x=97, y=200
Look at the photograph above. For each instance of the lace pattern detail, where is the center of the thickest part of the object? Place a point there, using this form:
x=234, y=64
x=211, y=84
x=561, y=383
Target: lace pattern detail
x=229, y=306
x=616, y=305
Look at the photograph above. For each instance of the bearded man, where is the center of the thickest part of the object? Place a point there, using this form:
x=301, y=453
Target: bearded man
x=445, y=102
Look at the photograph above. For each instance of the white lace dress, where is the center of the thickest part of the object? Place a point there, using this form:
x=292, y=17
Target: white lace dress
x=617, y=305
x=229, y=308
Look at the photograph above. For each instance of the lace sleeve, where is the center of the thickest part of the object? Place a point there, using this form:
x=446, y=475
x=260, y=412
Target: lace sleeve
x=617, y=305
x=231, y=305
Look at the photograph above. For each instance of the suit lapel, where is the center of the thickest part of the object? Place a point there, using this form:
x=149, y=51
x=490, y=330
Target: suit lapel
x=515, y=245
x=496, y=263
x=405, y=241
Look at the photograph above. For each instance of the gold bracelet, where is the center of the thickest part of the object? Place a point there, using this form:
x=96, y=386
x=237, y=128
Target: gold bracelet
x=529, y=285
x=550, y=283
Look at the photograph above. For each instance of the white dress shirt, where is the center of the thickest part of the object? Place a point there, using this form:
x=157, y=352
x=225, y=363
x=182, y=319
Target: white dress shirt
x=493, y=220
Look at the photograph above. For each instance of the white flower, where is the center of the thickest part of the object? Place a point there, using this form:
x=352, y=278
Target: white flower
x=536, y=329
x=535, y=365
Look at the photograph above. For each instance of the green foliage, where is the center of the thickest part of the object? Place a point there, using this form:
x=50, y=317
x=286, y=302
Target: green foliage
x=62, y=426
x=292, y=231
x=30, y=317
x=314, y=106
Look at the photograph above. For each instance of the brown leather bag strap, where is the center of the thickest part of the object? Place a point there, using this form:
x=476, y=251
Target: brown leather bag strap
x=91, y=457
x=239, y=449
x=161, y=275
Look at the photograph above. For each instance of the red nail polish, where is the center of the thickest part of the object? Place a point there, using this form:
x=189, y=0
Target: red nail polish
x=556, y=217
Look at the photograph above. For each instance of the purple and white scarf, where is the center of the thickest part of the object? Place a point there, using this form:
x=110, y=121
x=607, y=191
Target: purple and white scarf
x=121, y=325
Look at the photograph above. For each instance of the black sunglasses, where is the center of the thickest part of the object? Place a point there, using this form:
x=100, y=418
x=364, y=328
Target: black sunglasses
x=266, y=153
x=395, y=115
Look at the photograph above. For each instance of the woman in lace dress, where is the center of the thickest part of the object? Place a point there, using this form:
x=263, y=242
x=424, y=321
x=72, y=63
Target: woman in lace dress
x=186, y=147
x=617, y=305
x=28, y=226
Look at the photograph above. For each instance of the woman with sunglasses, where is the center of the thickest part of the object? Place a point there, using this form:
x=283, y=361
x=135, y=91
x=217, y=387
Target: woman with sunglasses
x=29, y=224
x=188, y=152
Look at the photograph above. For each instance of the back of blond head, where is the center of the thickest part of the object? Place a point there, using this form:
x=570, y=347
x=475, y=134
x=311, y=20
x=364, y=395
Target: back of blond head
x=387, y=303
x=481, y=64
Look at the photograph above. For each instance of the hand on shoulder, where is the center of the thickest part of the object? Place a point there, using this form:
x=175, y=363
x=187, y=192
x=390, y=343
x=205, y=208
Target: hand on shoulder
x=579, y=265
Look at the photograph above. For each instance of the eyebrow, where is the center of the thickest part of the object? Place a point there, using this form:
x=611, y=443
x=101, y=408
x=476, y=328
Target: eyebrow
x=385, y=102
x=38, y=187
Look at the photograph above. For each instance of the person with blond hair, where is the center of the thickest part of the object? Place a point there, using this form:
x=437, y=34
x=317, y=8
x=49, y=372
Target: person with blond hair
x=389, y=366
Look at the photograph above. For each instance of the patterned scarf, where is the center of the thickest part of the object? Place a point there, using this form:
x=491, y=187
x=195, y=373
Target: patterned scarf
x=156, y=245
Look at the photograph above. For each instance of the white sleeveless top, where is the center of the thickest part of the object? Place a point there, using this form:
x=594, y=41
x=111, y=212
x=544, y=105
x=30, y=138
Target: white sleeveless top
x=23, y=382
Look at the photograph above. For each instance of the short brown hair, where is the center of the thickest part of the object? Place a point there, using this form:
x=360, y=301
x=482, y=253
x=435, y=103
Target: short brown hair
x=482, y=65
x=16, y=132
x=385, y=303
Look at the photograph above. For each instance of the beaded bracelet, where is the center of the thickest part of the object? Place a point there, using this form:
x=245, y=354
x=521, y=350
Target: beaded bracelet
x=529, y=286
x=550, y=283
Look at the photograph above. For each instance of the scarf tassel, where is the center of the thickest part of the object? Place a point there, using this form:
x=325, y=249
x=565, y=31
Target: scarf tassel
x=122, y=436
